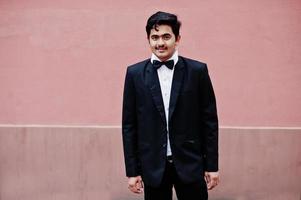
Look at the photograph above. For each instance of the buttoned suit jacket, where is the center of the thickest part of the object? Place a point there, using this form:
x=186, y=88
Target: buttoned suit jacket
x=193, y=122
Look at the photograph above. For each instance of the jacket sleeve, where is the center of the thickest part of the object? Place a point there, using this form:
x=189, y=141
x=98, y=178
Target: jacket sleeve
x=209, y=122
x=129, y=127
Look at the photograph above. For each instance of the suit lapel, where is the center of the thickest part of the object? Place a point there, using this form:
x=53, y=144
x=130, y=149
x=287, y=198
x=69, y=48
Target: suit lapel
x=153, y=83
x=176, y=85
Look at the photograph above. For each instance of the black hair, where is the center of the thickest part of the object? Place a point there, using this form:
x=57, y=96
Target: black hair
x=163, y=18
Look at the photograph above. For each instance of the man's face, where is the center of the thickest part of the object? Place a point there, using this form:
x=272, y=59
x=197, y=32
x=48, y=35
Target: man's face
x=163, y=42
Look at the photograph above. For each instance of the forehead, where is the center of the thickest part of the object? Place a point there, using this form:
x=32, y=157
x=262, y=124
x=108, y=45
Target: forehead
x=161, y=30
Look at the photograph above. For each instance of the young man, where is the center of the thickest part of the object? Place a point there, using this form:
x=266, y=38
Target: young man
x=169, y=120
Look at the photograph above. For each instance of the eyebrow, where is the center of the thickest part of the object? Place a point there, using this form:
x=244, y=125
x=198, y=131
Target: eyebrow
x=165, y=34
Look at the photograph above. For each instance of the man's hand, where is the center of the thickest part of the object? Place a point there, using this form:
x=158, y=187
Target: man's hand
x=212, y=179
x=136, y=184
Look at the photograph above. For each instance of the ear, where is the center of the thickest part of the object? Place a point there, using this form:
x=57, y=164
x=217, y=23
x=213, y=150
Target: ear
x=178, y=40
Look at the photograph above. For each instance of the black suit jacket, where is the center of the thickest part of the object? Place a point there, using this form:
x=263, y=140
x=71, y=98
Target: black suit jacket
x=193, y=123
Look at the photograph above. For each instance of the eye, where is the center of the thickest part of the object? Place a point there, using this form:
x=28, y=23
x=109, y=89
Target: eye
x=166, y=36
x=154, y=37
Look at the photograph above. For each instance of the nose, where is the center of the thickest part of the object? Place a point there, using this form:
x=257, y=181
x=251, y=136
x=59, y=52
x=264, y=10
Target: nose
x=161, y=42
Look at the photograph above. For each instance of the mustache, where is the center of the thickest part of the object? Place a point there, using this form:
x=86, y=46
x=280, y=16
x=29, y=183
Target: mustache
x=161, y=47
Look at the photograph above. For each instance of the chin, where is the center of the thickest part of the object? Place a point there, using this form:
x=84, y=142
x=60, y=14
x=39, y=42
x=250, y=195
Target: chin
x=162, y=57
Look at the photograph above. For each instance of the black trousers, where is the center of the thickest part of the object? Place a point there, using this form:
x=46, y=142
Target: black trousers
x=193, y=191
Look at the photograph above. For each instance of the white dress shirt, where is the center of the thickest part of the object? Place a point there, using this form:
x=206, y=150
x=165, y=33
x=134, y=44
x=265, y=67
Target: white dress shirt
x=165, y=78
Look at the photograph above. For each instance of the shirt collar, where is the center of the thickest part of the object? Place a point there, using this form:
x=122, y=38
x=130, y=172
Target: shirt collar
x=174, y=57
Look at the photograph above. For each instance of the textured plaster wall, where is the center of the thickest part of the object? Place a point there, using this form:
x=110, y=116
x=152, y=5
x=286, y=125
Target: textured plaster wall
x=63, y=62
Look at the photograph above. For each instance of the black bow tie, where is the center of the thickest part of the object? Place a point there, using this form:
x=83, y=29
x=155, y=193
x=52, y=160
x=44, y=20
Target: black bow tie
x=157, y=64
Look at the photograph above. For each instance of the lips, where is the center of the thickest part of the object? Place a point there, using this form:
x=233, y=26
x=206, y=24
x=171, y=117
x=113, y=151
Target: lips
x=161, y=49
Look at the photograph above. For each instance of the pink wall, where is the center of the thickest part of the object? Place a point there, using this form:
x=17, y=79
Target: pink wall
x=72, y=163
x=63, y=62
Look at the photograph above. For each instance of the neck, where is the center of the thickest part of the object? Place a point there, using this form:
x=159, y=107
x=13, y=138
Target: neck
x=164, y=59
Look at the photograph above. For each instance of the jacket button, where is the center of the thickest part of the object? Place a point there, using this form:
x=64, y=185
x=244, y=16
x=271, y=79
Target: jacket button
x=164, y=145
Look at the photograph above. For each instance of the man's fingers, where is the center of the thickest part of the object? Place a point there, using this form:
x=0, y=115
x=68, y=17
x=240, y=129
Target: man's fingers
x=210, y=185
x=139, y=186
x=135, y=185
x=212, y=179
x=134, y=189
x=213, y=182
x=207, y=178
